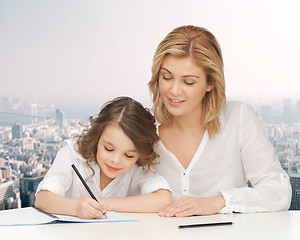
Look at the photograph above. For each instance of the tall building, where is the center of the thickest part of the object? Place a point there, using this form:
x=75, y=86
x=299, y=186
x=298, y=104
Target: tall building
x=297, y=138
x=287, y=116
x=298, y=111
x=17, y=131
x=8, y=197
x=34, y=112
x=28, y=186
x=59, y=118
x=266, y=113
x=295, y=183
x=5, y=172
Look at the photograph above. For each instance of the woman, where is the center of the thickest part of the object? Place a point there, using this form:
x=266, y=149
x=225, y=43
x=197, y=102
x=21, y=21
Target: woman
x=210, y=149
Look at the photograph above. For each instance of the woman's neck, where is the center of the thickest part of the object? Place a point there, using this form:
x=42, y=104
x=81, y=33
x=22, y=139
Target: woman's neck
x=187, y=123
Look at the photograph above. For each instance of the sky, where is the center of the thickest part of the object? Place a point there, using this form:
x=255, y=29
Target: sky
x=79, y=54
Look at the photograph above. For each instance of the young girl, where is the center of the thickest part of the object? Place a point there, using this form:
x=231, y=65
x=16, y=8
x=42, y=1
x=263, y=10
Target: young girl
x=114, y=156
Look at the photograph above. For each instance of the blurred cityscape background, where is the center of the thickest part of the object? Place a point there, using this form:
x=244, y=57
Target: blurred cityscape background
x=60, y=60
x=31, y=134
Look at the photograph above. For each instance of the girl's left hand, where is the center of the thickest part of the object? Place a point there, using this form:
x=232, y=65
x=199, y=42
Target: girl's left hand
x=189, y=206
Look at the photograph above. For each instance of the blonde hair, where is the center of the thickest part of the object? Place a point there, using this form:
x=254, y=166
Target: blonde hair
x=201, y=45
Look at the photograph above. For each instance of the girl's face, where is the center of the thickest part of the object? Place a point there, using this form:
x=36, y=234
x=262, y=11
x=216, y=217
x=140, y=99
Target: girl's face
x=182, y=85
x=116, y=153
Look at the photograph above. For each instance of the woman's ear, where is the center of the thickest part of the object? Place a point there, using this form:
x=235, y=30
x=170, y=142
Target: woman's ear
x=209, y=88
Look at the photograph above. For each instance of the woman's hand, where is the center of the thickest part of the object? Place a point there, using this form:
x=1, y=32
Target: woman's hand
x=88, y=208
x=189, y=206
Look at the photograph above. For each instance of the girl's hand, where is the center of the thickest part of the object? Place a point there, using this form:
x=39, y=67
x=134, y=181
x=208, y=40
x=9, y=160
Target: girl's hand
x=88, y=208
x=189, y=206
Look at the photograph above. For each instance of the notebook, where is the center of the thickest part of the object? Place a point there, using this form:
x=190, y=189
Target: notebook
x=35, y=216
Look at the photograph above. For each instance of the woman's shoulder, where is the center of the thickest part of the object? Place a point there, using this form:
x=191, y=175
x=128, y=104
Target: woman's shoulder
x=235, y=111
x=233, y=106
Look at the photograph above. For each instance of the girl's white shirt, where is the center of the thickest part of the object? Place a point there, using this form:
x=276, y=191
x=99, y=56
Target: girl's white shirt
x=225, y=163
x=61, y=178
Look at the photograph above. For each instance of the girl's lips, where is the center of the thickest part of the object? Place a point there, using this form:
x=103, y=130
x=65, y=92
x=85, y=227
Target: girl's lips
x=114, y=169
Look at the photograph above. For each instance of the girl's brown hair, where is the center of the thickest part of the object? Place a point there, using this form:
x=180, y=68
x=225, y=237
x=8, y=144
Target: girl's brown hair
x=137, y=123
x=201, y=45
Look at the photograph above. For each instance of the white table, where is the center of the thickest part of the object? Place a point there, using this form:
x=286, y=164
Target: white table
x=279, y=225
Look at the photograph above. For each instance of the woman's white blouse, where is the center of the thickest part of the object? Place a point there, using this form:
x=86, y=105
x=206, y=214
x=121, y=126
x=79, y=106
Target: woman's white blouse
x=225, y=163
x=61, y=178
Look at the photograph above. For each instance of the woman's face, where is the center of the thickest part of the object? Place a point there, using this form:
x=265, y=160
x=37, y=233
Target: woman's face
x=182, y=85
x=116, y=154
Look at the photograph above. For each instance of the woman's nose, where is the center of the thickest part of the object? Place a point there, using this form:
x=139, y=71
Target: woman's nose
x=175, y=88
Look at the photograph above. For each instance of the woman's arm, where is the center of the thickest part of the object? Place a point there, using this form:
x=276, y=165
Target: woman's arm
x=83, y=207
x=271, y=190
x=149, y=202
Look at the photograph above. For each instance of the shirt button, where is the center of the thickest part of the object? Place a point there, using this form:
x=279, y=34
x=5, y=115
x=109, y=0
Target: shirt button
x=183, y=174
x=184, y=190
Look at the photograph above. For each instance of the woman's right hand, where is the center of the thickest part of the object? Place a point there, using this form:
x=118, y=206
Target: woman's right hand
x=190, y=206
x=88, y=208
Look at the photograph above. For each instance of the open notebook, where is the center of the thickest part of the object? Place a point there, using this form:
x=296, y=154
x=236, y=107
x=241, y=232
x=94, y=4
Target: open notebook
x=34, y=216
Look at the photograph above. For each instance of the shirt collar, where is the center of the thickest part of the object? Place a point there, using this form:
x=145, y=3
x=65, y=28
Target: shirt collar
x=72, y=145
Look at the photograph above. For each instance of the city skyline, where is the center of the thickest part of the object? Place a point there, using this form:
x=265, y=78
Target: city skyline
x=72, y=56
x=82, y=111
x=28, y=150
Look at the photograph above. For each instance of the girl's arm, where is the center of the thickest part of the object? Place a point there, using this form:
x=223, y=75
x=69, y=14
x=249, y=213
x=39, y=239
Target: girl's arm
x=83, y=207
x=149, y=202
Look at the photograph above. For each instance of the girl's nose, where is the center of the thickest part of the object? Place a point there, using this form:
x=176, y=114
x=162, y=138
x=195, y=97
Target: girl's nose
x=115, y=158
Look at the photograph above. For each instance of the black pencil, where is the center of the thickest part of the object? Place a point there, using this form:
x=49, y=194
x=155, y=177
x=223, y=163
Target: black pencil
x=205, y=225
x=42, y=211
x=85, y=185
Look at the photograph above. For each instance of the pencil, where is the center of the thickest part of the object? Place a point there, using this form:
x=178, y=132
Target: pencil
x=42, y=211
x=205, y=225
x=85, y=185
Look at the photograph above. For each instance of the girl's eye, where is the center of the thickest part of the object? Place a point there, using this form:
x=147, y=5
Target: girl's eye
x=108, y=149
x=129, y=156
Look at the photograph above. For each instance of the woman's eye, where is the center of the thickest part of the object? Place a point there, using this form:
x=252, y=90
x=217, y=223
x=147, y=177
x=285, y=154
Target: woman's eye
x=167, y=78
x=190, y=83
x=108, y=149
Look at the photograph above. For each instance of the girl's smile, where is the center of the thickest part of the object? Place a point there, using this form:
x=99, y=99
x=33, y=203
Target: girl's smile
x=116, y=154
x=113, y=169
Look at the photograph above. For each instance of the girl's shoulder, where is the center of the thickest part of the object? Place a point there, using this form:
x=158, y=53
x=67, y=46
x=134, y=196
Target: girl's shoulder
x=70, y=147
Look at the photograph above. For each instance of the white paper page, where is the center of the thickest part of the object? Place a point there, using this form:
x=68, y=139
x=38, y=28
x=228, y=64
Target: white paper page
x=111, y=217
x=31, y=216
x=23, y=216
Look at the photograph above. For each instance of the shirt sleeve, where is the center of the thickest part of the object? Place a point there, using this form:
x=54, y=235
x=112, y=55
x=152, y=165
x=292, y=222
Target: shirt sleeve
x=146, y=182
x=59, y=177
x=271, y=190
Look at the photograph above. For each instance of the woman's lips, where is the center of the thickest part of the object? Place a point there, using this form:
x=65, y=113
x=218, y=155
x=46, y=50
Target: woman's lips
x=175, y=101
